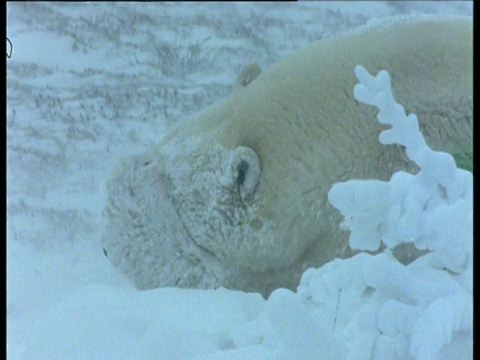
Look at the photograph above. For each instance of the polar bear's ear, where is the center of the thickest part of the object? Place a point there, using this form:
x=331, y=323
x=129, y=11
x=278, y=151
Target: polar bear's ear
x=247, y=75
x=242, y=171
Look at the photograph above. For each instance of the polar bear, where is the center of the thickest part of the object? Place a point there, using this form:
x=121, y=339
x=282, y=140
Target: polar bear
x=237, y=195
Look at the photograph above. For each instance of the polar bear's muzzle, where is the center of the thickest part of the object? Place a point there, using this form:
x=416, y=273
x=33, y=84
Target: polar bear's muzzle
x=141, y=223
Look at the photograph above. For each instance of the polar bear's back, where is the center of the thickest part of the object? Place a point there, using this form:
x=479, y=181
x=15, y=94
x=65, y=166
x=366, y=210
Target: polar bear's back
x=425, y=59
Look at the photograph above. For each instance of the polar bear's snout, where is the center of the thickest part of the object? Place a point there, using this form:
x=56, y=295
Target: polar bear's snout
x=142, y=222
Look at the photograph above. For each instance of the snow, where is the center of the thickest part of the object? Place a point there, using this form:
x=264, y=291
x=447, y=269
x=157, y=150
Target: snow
x=87, y=83
x=106, y=322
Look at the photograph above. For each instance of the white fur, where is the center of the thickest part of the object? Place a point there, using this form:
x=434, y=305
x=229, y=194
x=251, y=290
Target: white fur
x=191, y=222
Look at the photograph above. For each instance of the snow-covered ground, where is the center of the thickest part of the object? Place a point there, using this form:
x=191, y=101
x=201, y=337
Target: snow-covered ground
x=89, y=82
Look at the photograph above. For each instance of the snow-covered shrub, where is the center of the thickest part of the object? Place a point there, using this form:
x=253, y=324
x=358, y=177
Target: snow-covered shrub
x=373, y=306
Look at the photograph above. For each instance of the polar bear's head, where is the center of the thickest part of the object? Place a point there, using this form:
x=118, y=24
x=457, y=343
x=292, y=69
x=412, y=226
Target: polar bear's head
x=238, y=206
x=197, y=212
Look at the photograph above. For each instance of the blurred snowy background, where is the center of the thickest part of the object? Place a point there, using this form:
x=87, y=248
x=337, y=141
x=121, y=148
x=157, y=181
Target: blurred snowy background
x=87, y=83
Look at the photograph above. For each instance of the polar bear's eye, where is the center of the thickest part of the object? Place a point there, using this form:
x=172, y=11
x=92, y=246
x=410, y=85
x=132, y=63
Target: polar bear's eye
x=242, y=170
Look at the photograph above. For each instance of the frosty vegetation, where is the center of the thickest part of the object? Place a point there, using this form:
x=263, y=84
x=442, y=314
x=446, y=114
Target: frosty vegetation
x=373, y=307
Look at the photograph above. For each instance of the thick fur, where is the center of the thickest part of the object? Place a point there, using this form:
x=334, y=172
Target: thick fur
x=181, y=214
